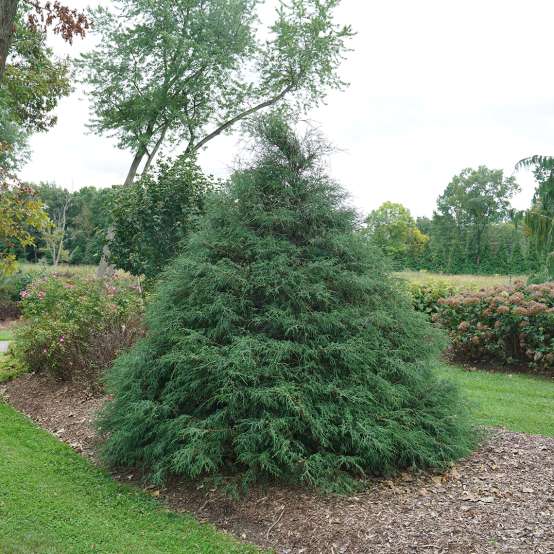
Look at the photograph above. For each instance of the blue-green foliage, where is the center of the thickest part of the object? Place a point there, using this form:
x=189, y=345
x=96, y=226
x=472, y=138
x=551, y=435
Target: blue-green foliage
x=279, y=346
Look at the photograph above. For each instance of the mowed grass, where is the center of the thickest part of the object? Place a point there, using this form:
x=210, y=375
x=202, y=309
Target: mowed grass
x=460, y=281
x=6, y=334
x=54, y=501
x=517, y=402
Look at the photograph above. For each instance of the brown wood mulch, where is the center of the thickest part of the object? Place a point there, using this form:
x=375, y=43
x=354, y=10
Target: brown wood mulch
x=501, y=499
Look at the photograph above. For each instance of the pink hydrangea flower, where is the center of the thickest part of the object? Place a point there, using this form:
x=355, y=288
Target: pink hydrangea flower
x=62, y=338
x=24, y=294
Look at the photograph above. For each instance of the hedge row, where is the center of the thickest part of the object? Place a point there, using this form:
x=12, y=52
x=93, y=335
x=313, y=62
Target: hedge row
x=507, y=324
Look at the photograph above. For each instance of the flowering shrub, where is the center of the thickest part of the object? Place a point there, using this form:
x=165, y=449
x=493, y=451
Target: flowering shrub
x=506, y=324
x=67, y=318
x=426, y=296
x=10, y=288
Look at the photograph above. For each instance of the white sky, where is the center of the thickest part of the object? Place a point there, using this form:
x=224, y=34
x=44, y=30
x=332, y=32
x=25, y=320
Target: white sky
x=435, y=86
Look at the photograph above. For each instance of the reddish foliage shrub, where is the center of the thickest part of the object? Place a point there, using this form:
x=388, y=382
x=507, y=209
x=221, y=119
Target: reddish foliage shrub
x=508, y=324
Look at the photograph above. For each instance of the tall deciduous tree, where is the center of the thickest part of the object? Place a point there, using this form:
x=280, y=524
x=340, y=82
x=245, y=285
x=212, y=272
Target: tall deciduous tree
x=8, y=13
x=34, y=81
x=392, y=228
x=20, y=210
x=188, y=70
x=474, y=200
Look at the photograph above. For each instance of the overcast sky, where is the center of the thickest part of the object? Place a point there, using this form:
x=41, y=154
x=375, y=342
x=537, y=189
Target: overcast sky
x=435, y=86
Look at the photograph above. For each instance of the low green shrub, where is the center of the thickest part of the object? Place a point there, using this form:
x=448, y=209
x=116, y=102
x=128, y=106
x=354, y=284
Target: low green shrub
x=10, y=367
x=506, y=324
x=426, y=296
x=74, y=326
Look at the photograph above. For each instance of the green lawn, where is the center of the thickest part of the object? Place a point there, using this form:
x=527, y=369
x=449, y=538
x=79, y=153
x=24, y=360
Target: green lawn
x=516, y=402
x=6, y=334
x=53, y=501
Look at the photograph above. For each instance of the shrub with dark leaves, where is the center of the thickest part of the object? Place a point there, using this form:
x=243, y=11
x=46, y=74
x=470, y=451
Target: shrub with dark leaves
x=10, y=290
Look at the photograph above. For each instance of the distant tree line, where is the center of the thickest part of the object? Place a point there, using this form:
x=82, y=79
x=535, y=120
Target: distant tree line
x=144, y=222
x=77, y=232
x=473, y=229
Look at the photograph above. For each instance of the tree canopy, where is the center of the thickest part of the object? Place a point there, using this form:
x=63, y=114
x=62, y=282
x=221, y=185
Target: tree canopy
x=34, y=81
x=152, y=216
x=174, y=71
x=474, y=200
x=392, y=228
x=38, y=17
x=20, y=210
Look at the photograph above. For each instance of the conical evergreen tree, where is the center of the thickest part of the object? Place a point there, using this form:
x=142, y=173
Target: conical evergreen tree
x=278, y=345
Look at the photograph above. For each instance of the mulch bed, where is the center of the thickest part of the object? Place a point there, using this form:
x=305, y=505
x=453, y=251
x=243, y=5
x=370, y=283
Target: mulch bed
x=501, y=499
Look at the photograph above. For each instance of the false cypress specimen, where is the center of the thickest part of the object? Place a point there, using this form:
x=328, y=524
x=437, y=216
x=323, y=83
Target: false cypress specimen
x=279, y=346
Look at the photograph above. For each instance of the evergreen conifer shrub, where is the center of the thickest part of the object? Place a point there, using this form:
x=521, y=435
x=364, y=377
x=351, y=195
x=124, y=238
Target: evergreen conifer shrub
x=279, y=346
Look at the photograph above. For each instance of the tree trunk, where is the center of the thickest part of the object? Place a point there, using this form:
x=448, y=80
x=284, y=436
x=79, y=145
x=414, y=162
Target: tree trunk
x=478, y=241
x=8, y=12
x=104, y=268
x=154, y=151
x=134, y=166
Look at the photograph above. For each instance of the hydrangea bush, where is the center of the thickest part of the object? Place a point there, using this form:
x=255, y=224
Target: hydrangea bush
x=507, y=324
x=426, y=296
x=65, y=317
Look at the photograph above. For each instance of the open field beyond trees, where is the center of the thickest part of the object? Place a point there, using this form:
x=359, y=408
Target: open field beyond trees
x=460, y=281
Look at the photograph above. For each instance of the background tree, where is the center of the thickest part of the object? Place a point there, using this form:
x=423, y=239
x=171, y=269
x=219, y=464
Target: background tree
x=34, y=81
x=88, y=216
x=539, y=219
x=188, y=70
x=20, y=210
x=152, y=216
x=87, y=228
x=392, y=228
x=472, y=201
x=278, y=347
x=55, y=236
x=65, y=22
